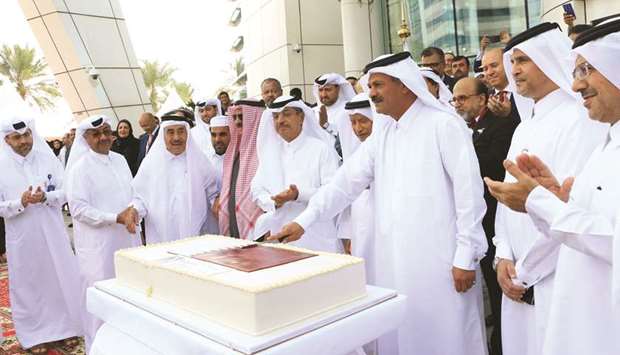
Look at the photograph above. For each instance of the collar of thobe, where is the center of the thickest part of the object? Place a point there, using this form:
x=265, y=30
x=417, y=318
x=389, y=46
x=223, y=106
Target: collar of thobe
x=614, y=135
x=345, y=94
x=553, y=100
x=295, y=144
x=402, y=67
x=549, y=49
x=407, y=119
x=600, y=46
x=102, y=158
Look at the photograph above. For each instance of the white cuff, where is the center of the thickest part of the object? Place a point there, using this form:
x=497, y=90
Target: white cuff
x=306, y=218
x=464, y=258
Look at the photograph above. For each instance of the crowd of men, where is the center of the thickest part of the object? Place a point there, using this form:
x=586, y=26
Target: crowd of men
x=404, y=167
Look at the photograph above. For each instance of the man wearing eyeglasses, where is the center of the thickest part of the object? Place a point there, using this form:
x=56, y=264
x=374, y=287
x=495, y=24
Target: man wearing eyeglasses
x=558, y=131
x=433, y=57
x=491, y=135
x=580, y=214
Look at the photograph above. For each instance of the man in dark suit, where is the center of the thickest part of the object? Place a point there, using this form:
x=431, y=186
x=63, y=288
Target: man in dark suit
x=433, y=57
x=491, y=137
x=501, y=102
x=150, y=125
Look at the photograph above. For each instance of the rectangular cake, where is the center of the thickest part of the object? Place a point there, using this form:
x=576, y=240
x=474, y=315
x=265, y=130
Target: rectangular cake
x=247, y=287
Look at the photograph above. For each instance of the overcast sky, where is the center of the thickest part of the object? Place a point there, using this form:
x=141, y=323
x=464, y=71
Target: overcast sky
x=193, y=36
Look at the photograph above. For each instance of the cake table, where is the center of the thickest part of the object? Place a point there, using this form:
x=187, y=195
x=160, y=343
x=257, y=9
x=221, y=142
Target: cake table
x=137, y=324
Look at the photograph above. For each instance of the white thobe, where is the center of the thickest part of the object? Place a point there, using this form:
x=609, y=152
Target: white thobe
x=100, y=190
x=43, y=277
x=428, y=204
x=581, y=315
x=562, y=136
x=335, y=115
x=165, y=223
x=218, y=163
x=202, y=136
x=308, y=164
x=212, y=226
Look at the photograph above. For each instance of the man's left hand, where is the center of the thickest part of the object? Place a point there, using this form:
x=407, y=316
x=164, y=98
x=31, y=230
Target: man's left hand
x=285, y=196
x=38, y=196
x=512, y=194
x=463, y=279
x=499, y=107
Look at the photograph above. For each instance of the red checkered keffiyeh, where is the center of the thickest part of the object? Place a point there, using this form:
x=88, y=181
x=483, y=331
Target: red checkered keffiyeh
x=243, y=142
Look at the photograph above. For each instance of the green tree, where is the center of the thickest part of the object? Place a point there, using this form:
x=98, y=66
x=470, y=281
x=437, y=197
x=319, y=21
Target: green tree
x=157, y=78
x=29, y=76
x=185, y=91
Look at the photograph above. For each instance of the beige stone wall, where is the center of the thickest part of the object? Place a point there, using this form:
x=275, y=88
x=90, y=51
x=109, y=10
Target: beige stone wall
x=76, y=35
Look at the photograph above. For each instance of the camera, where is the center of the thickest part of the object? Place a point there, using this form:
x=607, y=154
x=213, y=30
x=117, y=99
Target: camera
x=296, y=48
x=93, y=73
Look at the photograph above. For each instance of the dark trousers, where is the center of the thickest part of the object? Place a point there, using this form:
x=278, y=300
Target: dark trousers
x=490, y=278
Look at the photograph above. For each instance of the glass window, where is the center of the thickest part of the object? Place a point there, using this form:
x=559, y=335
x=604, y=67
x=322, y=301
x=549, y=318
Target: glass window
x=458, y=25
x=475, y=19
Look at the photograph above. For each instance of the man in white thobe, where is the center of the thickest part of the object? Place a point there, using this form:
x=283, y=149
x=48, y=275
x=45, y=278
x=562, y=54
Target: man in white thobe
x=175, y=205
x=535, y=63
x=203, y=113
x=43, y=276
x=220, y=139
x=331, y=92
x=98, y=188
x=421, y=161
x=295, y=161
x=581, y=219
x=356, y=222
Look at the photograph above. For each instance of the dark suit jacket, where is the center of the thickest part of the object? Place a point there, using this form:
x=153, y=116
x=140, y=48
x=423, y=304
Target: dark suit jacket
x=492, y=136
x=144, y=138
x=449, y=81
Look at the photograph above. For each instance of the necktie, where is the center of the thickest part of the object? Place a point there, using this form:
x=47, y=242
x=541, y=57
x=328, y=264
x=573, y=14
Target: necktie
x=149, y=142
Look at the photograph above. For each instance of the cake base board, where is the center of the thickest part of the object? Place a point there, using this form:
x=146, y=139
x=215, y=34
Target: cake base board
x=114, y=303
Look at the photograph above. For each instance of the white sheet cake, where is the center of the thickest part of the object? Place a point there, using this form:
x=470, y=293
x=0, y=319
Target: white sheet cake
x=255, y=302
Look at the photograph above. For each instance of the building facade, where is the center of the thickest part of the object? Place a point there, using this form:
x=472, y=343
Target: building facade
x=297, y=40
x=87, y=47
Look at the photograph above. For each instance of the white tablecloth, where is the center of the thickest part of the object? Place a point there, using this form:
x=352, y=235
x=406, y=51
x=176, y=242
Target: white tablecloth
x=135, y=324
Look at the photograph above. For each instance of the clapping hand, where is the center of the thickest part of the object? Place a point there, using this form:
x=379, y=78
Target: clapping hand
x=499, y=107
x=285, y=196
x=29, y=197
x=512, y=194
x=536, y=169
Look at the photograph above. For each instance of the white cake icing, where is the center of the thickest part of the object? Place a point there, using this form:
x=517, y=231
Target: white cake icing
x=252, y=302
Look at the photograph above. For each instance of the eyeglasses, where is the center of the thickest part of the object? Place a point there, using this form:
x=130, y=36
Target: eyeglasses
x=238, y=116
x=582, y=71
x=460, y=99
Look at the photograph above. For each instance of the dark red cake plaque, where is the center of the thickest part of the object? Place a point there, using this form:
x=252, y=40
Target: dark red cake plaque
x=253, y=257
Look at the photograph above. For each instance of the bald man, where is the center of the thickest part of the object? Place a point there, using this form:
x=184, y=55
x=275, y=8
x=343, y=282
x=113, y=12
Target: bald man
x=491, y=136
x=150, y=124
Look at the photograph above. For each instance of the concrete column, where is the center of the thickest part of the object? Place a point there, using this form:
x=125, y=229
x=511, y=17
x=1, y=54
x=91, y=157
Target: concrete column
x=362, y=34
x=81, y=38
